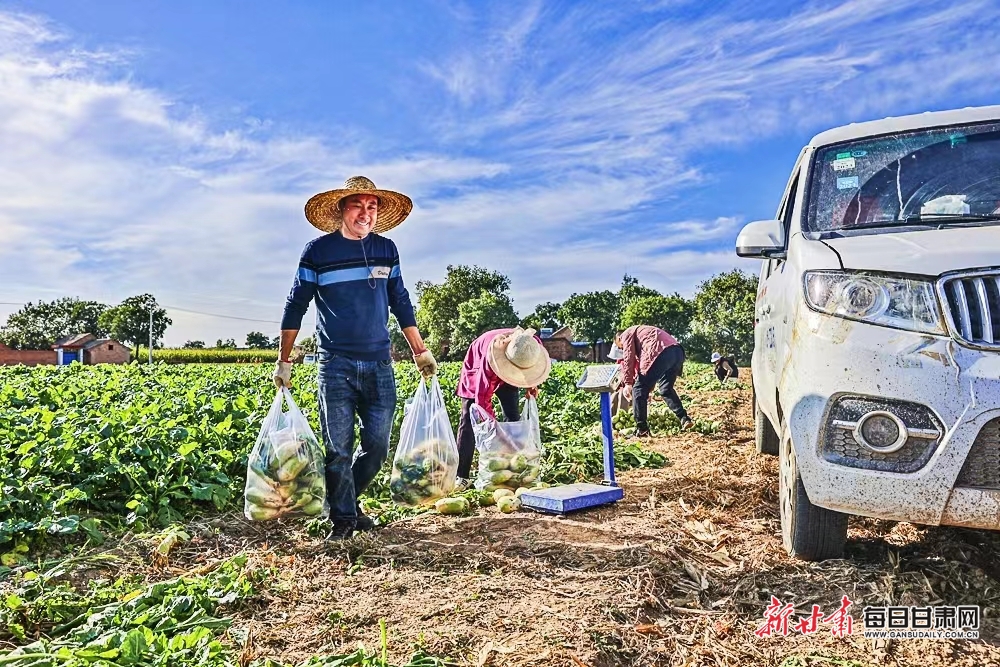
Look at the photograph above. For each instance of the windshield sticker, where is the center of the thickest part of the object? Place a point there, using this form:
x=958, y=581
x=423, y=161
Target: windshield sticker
x=843, y=164
x=841, y=156
x=859, y=153
x=847, y=183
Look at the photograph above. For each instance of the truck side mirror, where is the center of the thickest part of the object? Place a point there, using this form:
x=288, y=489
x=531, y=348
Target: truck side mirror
x=761, y=240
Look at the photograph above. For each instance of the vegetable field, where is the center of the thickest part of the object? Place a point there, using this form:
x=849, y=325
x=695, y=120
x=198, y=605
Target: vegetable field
x=124, y=543
x=92, y=449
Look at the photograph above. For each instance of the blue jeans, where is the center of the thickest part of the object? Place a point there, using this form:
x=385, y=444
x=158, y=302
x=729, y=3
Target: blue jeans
x=348, y=387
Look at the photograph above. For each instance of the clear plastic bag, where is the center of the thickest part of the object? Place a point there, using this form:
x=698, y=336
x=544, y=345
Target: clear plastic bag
x=510, y=453
x=286, y=470
x=426, y=460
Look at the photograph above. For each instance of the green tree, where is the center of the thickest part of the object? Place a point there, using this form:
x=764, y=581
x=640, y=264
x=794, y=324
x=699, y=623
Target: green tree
x=545, y=316
x=670, y=313
x=308, y=344
x=258, y=341
x=36, y=326
x=194, y=345
x=486, y=312
x=438, y=311
x=129, y=321
x=629, y=292
x=592, y=315
x=724, y=308
x=228, y=344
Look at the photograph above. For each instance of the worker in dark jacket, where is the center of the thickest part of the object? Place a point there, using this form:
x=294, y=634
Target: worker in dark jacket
x=725, y=367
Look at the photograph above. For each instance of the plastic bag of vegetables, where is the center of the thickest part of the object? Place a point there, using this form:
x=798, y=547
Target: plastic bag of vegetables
x=285, y=473
x=510, y=453
x=426, y=460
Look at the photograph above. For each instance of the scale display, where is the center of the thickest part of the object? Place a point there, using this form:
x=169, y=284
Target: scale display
x=600, y=379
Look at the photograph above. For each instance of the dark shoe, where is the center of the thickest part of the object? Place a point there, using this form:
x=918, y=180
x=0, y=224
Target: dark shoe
x=687, y=424
x=341, y=530
x=365, y=522
x=642, y=434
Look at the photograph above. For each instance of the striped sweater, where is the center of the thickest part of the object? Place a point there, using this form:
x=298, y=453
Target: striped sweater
x=355, y=285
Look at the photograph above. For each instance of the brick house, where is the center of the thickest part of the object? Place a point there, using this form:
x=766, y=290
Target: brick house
x=561, y=346
x=89, y=349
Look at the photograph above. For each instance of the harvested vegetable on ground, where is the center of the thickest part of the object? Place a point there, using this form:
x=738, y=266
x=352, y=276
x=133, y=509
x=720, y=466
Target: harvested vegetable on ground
x=509, y=504
x=457, y=505
x=426, y=460
x=285, y=469
x=501, y=493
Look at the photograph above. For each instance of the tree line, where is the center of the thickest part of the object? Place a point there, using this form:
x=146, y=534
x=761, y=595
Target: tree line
x=473, y=299
x=37, y=326
x=450, y=315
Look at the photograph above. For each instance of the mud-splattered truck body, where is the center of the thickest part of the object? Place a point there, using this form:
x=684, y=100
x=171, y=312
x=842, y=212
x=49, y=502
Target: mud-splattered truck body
x=876, y=366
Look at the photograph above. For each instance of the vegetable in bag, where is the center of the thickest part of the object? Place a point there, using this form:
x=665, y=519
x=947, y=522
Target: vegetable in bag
x=285, y=472
x=426, y=460
x=509, y=452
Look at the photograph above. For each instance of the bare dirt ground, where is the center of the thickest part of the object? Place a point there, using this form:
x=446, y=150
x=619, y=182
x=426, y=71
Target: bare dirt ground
x=679, y=573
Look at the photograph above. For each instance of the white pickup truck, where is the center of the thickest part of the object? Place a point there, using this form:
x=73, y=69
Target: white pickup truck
x=876, y=364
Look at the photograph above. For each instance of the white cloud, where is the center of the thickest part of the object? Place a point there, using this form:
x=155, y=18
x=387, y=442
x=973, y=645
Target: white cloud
x=107, y=191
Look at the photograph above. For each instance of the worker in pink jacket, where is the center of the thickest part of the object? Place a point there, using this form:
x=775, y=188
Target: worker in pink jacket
x=497, y=363
x=650, y=357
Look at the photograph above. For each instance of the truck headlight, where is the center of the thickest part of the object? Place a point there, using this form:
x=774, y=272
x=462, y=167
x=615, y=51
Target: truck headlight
x=902, y=303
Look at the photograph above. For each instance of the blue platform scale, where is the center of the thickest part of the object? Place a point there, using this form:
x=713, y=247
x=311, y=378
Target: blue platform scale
x=602, y=379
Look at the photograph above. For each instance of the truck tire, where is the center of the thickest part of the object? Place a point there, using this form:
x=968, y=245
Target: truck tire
x=808, y=532
x=765, y=437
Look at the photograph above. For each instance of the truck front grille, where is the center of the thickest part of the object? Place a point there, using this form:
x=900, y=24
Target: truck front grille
x=974, y=307
x=982, y=466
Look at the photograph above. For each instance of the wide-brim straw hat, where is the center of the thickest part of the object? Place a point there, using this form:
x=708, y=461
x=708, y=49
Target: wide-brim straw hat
x=323, y=210
x=519, y=359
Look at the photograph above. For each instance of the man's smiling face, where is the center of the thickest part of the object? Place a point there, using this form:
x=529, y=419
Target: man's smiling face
x=358, y=213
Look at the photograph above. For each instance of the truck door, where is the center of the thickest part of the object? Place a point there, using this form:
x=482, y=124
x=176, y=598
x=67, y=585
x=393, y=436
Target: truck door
x=771, y=316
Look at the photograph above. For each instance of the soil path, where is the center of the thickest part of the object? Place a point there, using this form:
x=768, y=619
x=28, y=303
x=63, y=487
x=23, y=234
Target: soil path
x=679, y=573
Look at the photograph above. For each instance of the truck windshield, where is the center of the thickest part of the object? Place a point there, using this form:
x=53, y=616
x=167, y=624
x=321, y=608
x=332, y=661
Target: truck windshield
x=940, y=176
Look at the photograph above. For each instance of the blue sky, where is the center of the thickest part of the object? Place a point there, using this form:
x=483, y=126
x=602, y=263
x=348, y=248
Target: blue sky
x=169, y=147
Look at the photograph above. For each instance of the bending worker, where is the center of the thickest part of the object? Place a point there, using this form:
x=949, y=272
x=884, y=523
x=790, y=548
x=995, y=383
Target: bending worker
x=650, y=357
x=725, y=367
x=498, y=362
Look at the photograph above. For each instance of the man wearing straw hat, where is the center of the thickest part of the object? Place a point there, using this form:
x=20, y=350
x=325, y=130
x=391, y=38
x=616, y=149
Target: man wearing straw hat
x=352, y=272
x=497, y=363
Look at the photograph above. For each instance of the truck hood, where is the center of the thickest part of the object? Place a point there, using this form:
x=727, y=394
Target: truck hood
x=928, y=252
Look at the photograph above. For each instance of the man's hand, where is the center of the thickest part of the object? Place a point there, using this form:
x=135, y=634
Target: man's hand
x=627, y=393
x=532, y=392
x=426, y=364
x=282, y=374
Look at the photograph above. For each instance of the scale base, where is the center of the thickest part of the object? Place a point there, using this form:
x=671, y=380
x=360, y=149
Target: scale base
x=571, y=497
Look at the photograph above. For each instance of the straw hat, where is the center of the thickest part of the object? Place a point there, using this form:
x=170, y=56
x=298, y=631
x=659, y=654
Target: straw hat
x=519, y=359
x=323, y=210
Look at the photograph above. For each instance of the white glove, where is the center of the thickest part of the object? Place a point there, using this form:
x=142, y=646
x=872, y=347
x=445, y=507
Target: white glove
x=282, y=374
x=426, y=364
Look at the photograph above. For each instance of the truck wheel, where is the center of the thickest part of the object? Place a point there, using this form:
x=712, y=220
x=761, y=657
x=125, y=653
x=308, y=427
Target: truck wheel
x=808, y=532
x=765, y=436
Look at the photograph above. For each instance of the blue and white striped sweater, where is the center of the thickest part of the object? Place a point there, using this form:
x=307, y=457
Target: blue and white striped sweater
x=352, y=317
